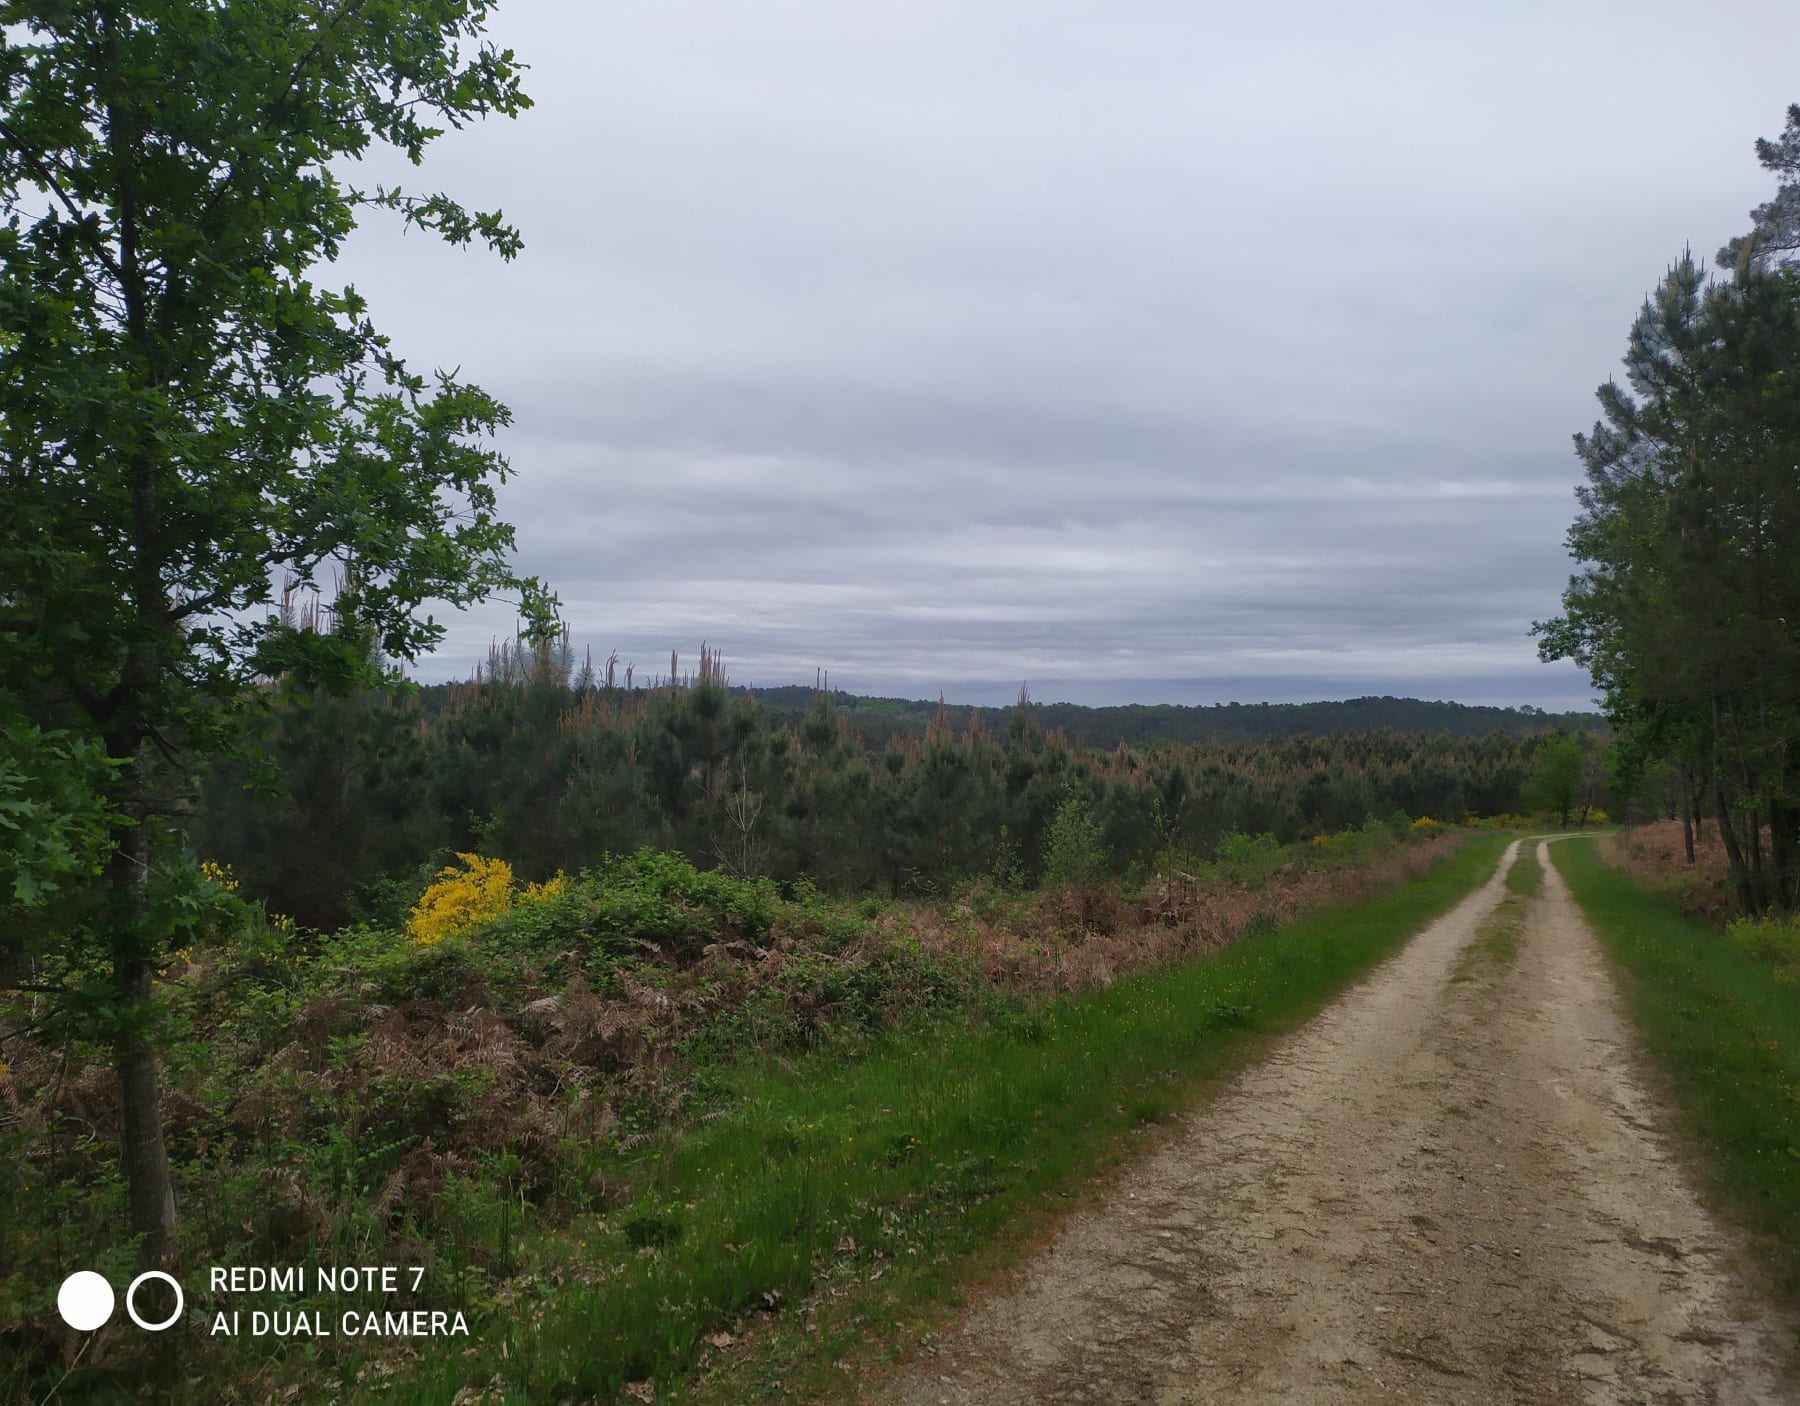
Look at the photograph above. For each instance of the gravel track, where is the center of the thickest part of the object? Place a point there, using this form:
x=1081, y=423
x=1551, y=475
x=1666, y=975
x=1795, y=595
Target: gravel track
x=1450, y=1186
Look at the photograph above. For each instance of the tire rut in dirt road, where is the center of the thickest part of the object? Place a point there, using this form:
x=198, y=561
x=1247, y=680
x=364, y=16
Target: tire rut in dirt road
x=1438, y=1190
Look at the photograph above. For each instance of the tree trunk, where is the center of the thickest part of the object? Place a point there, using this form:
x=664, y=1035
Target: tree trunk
x=1687, y=806
x=1784, y=823
x=149, y=1192
x=1740, y=875
x=1752, y=842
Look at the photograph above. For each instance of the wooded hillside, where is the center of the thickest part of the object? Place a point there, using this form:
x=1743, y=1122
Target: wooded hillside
x=535, y=761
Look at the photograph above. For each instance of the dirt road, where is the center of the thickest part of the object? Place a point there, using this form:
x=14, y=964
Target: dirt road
x=1451, y=1186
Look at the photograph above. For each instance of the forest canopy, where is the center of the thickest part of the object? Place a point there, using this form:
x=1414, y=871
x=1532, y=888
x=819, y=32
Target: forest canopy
x=537, y=760
x=1688, y=593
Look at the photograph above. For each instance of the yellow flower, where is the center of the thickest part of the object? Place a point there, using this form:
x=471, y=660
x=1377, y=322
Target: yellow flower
x=219, y=874
x=550, y=888
x=481, y=889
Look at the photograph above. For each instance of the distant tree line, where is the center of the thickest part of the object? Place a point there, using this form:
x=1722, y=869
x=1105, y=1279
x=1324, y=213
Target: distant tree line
x=1139, y=724
x=1687, y=605
x=542, y=763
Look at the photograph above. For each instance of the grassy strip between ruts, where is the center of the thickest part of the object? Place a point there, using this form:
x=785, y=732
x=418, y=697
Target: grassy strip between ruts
x=836, y=1204
x=1525, y=878
x=1725, y=1035
x=1498, y=937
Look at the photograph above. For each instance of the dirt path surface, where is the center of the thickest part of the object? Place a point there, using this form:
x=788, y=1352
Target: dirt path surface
x=1450, y=1186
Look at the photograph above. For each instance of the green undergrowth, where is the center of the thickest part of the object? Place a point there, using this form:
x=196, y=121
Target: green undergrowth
x=830, y=1199
x=628, y=1120
x=1721, y=1016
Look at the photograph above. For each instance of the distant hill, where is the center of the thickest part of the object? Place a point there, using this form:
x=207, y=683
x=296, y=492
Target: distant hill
x=1143, y=723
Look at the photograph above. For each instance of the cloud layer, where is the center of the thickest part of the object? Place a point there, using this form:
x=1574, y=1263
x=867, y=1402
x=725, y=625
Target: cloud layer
x=1147, y=352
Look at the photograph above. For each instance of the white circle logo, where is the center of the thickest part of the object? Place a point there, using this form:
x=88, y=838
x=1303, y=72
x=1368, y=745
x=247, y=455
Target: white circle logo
x=131, y=1294
x=85, y=1300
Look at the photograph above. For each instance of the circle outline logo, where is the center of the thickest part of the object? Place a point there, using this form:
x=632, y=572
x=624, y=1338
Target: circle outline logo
x=131, y=1297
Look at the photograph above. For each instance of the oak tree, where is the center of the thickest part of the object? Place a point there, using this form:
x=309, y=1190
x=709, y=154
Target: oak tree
x=192, y=412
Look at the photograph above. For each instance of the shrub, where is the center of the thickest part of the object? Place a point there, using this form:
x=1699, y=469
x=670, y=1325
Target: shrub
x=537, y=893
x=1247, y=859
x=1424, y=825
x=1775, y=941
x=461, y=897
x=662, y=899
x=1073, y=854
x=1260, y=924
x=480, y=891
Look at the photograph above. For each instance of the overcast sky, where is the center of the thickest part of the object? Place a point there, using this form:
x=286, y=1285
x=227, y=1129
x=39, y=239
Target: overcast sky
x=1145, y=351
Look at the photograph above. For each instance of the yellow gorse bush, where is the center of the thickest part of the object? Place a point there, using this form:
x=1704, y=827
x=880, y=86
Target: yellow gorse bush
x=550, y=888
x=470, y=893
x=462, y=896
x=1424, y=825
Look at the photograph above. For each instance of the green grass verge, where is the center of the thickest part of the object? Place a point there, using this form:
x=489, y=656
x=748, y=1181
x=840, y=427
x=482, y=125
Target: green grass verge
x=1725, y=1034
x=825, y=1176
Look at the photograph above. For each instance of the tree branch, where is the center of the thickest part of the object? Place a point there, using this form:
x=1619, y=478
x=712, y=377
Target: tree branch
x=51, y=184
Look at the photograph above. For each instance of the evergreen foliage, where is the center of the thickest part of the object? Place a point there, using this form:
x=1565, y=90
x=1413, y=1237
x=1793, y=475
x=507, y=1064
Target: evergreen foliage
x=1689, y=587
x=522, y=762
x=1556, y=780
x=1143, y=724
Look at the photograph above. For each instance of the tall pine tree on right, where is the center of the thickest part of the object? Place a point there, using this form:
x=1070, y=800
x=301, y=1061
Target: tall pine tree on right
x=1685, y=606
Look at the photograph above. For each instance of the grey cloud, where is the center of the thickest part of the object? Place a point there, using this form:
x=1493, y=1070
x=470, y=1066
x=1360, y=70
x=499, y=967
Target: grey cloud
x=1152, y=350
